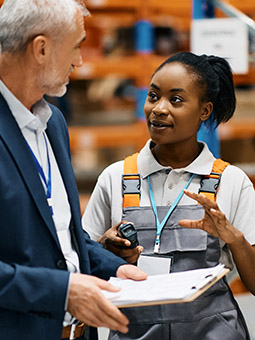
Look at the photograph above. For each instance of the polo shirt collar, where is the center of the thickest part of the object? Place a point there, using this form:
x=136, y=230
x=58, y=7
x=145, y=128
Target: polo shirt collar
x=148, y=165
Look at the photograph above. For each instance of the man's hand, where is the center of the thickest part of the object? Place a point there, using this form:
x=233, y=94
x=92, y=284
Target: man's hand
x=128, y=271
x=112, y=241
x=88, y=304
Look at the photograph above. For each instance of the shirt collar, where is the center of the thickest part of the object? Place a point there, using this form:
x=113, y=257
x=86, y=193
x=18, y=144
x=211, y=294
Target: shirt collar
x=36, y=121
x=202, y=165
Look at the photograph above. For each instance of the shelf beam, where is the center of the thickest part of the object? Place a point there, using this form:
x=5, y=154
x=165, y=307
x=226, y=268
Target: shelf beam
x=82, y=137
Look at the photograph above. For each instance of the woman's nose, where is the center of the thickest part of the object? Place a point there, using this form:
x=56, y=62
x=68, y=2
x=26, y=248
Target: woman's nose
x=162, y=107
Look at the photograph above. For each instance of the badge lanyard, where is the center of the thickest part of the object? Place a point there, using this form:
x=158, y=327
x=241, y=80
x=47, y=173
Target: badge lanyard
x=161, y=225
x=40, y=170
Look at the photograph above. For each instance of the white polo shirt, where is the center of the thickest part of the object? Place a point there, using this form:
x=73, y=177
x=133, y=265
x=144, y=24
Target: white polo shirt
x=235, y=197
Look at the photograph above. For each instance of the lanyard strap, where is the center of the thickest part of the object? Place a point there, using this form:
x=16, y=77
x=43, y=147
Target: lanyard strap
x=41, y=172
x=161, y=225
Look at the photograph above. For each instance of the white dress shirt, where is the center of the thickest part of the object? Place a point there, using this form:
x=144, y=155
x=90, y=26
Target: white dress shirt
x=33, y=126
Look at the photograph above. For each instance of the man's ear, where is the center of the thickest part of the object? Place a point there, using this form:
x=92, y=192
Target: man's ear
x=40, y=47
x=207, y=110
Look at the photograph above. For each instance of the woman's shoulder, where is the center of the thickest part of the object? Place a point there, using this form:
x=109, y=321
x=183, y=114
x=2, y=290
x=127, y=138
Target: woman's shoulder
x=112, y=171
x=236, y=177
x=233, y=170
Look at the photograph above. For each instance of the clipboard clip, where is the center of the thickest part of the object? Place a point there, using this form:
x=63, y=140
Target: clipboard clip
x=204, y=281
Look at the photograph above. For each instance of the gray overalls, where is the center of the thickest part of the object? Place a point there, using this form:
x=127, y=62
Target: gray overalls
x=214, y=315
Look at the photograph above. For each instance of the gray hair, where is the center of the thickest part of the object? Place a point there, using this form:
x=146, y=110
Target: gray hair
x=22, y=20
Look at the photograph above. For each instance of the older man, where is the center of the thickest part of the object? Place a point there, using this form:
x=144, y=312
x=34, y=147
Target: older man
x=43, y=249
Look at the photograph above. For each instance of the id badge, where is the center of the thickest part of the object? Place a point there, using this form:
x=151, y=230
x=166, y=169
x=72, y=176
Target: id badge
x=154, y=265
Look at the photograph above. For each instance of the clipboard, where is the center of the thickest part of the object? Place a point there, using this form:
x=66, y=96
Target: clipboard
x=170, y=288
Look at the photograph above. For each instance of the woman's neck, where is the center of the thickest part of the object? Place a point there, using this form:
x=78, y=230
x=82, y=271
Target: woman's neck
x=174, y=155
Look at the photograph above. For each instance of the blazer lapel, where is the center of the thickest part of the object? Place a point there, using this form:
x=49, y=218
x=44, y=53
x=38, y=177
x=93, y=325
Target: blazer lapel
x=59, y=140
x=17, y=146
x=59, y=147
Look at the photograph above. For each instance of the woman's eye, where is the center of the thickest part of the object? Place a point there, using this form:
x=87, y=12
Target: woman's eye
x=152, y=95
x=176, y=99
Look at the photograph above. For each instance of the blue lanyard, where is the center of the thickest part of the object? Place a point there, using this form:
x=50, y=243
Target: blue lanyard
x=161, y=225
x=40, y=170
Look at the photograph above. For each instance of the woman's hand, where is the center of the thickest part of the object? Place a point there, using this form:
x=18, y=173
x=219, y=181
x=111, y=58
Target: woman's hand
x=112, y=241
x=214, y=221
x=216, y=224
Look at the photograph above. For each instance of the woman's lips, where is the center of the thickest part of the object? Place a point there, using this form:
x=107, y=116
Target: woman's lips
x=160, y=125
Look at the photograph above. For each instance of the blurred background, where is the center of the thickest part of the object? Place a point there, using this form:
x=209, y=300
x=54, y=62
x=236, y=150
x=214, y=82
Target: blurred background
x=126, y=41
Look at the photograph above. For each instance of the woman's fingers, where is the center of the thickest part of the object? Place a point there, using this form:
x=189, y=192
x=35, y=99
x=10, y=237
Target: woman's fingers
x=193, y=224
x=203, y=200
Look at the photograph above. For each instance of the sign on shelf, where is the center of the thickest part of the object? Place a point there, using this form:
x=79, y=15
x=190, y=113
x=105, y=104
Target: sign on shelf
x=227, y=38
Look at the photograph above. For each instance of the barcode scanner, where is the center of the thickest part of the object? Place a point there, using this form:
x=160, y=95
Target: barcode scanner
x=128, y=231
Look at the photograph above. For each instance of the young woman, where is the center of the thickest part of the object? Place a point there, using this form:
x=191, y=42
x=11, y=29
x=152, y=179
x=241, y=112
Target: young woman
x=185, y=91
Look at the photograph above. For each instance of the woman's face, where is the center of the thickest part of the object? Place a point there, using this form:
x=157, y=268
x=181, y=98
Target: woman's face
x=173, y=107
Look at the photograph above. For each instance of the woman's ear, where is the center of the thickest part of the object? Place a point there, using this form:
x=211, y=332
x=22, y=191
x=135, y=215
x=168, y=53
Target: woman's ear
x=207, y=110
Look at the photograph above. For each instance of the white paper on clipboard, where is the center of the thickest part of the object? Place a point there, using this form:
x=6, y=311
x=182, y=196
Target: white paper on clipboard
x=166, y=288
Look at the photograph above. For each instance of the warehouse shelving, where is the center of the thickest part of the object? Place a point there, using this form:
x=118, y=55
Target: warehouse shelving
x=110, y=14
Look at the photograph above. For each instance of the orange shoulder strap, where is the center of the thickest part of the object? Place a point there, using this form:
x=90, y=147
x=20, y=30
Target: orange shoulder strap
x=131, y=182
x=210, y=183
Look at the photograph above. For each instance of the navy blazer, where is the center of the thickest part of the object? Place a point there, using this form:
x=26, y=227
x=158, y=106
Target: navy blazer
x=33, y=272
